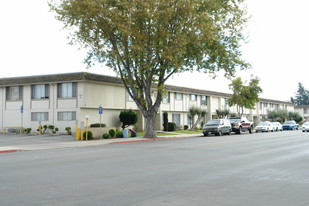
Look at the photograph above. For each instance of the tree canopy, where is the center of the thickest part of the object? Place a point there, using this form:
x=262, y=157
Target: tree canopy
x=195, y=115
x=127, y=117
x=283, y=115
x=244, y=96
x=302, y=96
x=147, y=41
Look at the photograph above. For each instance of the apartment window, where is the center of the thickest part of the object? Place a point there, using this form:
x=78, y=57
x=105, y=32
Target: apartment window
x=203, y=100
x=261, y=105
x=67, y=90
x=14, y=93
x=66, y=116
x=193, y=97
x=40, y=91
x=166, y=98
x=178, y=96
x=39, y=116
x=176, y=119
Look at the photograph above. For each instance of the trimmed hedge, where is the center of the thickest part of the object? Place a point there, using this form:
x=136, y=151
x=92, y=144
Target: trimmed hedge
x=97, y=125
x=172, y=126
x=112, y=132
x=90, y=135
x=106, y=136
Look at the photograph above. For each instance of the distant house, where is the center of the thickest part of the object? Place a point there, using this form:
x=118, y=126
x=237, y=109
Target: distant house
x=65, y=99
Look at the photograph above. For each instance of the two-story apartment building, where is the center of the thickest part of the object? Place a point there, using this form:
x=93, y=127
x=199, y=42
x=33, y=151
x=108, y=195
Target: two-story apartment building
x=64, y=100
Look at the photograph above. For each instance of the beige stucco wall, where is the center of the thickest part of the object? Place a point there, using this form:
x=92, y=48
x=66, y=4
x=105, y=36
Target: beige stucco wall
x=96, y=94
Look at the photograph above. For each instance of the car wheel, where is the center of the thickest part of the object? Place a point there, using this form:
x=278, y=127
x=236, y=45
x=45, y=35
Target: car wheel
x=220, y=133
x=229, y=133
x=206, y=134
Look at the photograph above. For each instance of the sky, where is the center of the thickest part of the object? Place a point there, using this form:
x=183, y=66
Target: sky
x=32, y=42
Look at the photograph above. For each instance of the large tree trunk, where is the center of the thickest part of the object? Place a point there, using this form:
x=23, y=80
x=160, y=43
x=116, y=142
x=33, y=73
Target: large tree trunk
x=150, y=131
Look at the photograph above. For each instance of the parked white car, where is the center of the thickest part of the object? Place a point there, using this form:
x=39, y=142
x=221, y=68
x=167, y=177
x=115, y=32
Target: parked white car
x=264, y=127
x=305, y=127
x=277, y=126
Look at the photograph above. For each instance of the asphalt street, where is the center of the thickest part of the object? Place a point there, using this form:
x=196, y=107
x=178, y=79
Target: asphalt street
x=266, y=169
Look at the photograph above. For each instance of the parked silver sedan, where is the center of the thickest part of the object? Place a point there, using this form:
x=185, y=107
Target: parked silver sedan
x=277, y=126
x=305, y=127
x=264, y=127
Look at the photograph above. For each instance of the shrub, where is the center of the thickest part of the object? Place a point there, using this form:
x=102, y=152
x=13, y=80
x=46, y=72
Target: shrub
x=127, y=117
x=44, y=128
x=106, y=136
x=68, y=129
x=97, y=125
x=165, y=121
x=112, y=132
x=171, y=126
x=185, y=127
x=119, y=134
x=53, y=128
x=90, y=135
x=27, y=130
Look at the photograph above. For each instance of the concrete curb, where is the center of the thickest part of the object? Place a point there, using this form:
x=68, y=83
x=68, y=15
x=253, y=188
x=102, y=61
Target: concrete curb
x=9, y=151
x=157, y=139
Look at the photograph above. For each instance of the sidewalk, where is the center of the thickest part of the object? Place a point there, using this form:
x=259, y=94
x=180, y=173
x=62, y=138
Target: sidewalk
x=20, y=143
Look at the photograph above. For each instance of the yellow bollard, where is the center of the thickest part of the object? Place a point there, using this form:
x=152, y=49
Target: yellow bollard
x=78, y=136
x=40, y=129
x=87, y=117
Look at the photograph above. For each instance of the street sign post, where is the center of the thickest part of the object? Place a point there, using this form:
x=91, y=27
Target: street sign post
x=100, y=113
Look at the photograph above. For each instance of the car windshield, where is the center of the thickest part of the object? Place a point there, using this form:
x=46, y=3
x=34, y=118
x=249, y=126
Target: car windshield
x=213, y=122
x=306, y=123
x=234, y=120
x=263, y=124
x=289, y=122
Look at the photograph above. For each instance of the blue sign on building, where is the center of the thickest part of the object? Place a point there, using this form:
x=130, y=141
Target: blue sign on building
x=100, y=110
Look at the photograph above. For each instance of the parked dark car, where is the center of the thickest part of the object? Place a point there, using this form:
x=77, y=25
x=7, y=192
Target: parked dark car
x=290, y=125
x=217, y=127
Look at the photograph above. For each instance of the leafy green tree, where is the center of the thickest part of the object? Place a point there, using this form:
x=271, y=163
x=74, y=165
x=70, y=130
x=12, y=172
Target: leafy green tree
x=195, y=115
x=244, y=96
x=302, y=96
x=283, y=115
x=222, y=113
x=280, y=115
x=295, y=116
x=148, y=41
x=127, y=117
